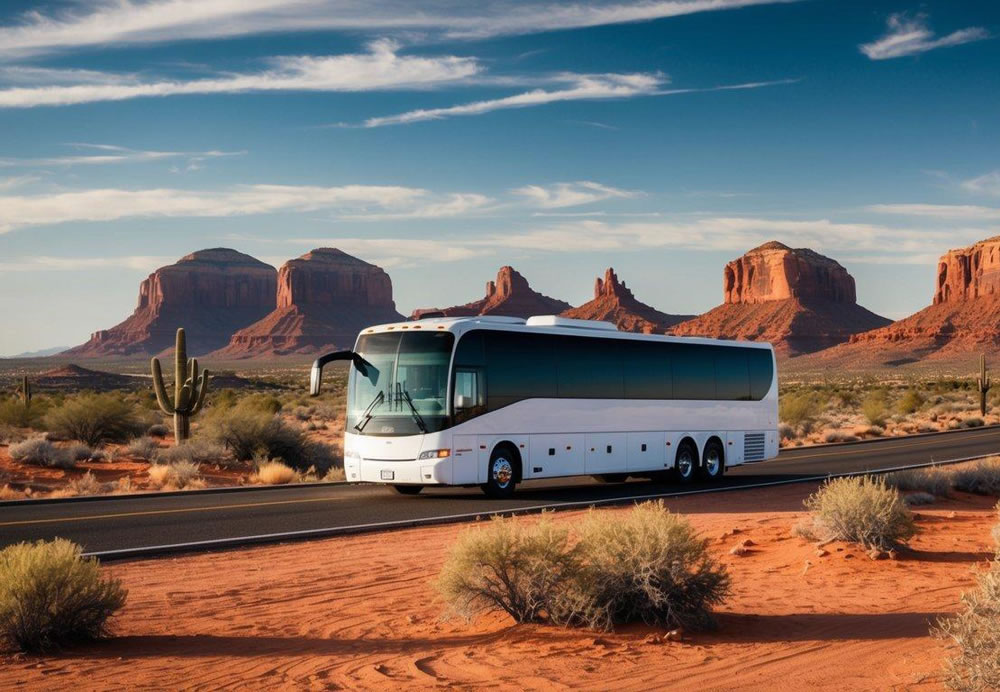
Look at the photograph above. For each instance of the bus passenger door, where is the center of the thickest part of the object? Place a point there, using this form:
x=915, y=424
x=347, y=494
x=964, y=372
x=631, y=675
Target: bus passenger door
x=465, y=465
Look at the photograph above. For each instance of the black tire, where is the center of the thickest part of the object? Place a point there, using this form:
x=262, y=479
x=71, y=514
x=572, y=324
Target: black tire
x=686, y=462
x=408, y=489
x=713, y=463
x=611, y=477
x=502, y=473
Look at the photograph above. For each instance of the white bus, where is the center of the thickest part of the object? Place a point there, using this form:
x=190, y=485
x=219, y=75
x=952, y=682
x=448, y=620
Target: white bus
x=493, y=401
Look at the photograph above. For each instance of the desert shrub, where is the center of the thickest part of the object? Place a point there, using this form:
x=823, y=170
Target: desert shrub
x=334, y=475
x=839, y=436
x=274, y=473
x=51, y=596
x=145, y=448
x=9, y=434
x=974, y=422
x=95, y=419
x=982, y=478
x=861, y=510
x=13, y=412
x=918, y=498
x=8, y=493
x=260, y=403
x=975, y=636
x=197, y=450
x=86, y=484
x=910, y=402
x=178, y=475
x=786, y=431
x=875, y=409
x=927, y=480
x=250, y=435
x=39, y=452
x=158, y=430
x=79, y=452
x=302, y=413
x=512, y=565
x=797, y=409
x=647, y=566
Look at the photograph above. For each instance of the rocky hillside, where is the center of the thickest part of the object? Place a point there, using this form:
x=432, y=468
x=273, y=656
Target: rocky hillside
x=614, y=302
x=510, y=296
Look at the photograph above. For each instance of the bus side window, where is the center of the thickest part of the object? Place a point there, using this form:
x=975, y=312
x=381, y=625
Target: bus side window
x=470, y=399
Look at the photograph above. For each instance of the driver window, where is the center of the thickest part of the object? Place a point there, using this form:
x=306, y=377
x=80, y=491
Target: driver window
x=470, y=399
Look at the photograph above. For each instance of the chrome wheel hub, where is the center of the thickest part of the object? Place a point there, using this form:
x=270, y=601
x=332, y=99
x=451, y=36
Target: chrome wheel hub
x=712, y=462
x=685, y=464
x=502, y=472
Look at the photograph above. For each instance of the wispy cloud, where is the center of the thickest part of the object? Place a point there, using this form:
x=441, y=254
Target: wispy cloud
x=49, y=263
x=399, y=252
x=112, y=154
x=911, y=35
x=571, y=194
x=18, y=181
x=111, y=204
x=450, y=206
x=580, y=87
x=967, y=212
x=381, y=68
x=109, y=22
x=986, y=184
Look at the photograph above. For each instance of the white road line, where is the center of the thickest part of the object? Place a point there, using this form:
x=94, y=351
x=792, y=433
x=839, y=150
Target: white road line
x=467, y=516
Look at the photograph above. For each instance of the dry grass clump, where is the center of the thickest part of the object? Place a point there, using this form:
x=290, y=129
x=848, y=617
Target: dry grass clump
x=274, y=473
x=982, y=478
x=51, y=596
x=863, y=510
x=647, y=566
x=196, y=451
x=919, y=498
x=158, y=430
x=798, y=408
x=79, y=452
x=86, y=484
x=875, y=408
x=933, y=480
x=177, y=475
x=8, y=493
x=835, y=436
x=94, y=419
x=9, y=434
x=39, y=452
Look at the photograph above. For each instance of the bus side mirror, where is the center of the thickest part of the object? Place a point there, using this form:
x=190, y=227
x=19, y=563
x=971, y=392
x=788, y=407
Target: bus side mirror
x=316, y=374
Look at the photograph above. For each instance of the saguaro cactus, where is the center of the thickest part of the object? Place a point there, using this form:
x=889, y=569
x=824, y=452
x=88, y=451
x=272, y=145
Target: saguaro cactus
x=189, y=389
x=984, y=384
x=25, y=392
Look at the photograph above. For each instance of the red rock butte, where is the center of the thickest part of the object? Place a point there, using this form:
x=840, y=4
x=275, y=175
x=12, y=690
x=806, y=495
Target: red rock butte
x=614, y=302
x=797, y=299
x=963, y=319
x=211, y=293
x=324, y=298
x=510, y=296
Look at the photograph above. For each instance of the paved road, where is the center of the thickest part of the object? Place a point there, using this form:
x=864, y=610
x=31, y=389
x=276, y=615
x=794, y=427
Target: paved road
x=121, y=526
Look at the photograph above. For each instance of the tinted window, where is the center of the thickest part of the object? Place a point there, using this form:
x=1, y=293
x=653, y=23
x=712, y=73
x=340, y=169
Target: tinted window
x=732, y=377
x=470, y=350
x=761, y=372
x=518, y=366
x=694, y=371
x=588, y=368
x=646, y=369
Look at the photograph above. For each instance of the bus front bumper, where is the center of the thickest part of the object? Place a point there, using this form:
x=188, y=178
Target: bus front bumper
x=406, y=472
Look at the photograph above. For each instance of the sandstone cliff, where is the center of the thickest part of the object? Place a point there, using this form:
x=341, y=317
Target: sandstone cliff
x=324, y=298
x=509, y=296
x=211, y=293
x=797, y=299
x=614, y=302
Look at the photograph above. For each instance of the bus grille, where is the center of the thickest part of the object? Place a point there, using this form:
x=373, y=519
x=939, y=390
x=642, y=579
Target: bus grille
x=753, y=447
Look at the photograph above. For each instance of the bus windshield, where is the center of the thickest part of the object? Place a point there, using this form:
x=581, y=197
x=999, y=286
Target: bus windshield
x=406, y=389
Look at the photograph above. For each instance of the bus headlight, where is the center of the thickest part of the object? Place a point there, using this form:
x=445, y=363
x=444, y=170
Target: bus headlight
x=435, y=454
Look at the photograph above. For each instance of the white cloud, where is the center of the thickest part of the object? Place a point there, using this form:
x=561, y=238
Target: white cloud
x=910, y=35
x=112, y=154
x=381, y=68
x=113, y=22
x=18, y=181
x=399, y=252
x=456, y=204
x=47, y=263
x=571, y=194
x=939, y=211
x=580, y=87
x=986, y=184
x=111, y=204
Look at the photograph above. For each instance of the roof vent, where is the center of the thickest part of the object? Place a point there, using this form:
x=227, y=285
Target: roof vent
x=555, y=321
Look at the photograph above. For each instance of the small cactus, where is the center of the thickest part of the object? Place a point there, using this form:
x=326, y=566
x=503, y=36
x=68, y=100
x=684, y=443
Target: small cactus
x=984, y=384
x=25, y=392
x=189, y=389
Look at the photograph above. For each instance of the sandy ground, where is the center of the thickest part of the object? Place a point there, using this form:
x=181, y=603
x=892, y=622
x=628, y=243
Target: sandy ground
x=361, y=613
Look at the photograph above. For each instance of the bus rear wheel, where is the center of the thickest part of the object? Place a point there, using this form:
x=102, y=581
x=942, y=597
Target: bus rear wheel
x=713, y=465
x=686, y=465
x=501, y=475
x=408, y=489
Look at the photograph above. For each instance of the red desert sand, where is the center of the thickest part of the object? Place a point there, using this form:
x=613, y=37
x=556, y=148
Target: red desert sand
x=361, y=613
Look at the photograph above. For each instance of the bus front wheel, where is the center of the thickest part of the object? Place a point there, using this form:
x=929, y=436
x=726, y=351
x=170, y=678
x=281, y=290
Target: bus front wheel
x=408, y=489
x=501, y=475
x=686, y=465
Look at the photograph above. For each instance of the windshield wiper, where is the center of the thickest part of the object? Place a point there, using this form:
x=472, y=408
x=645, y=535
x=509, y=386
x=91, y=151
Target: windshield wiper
x=405, y=396
x=368, y=415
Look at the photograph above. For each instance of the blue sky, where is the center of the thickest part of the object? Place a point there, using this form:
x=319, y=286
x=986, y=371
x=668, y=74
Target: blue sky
x=441, y=140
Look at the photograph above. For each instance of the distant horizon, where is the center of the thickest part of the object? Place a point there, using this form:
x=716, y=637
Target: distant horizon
x=442, y=140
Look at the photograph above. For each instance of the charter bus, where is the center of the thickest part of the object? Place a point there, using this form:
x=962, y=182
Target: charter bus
x=493, y=401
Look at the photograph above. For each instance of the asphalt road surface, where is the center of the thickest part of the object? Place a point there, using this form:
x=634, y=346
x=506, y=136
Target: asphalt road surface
x=127, y=526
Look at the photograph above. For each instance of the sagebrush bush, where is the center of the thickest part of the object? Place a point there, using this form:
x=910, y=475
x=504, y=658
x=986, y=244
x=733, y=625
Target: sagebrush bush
x=507, y=564
x=39, y=452
x=95, y=419
x=910, y=402
x=252, y=435
x=975, y=636
x=87, y=484
x=79, y=452
x=13, y=412
x=196, y=451
x=144, y=448
x=51, y=596
x=875, y=409
x=929, y=480
x=799, y=408
x=982, y=478
x=647, y=566
x=158, y=430
x=175, y=475
x=274, y=473
x=863, y=510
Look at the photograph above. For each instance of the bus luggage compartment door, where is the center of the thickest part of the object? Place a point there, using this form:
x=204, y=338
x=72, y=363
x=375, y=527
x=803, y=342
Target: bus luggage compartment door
x=606, y=452
x=465, y=468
